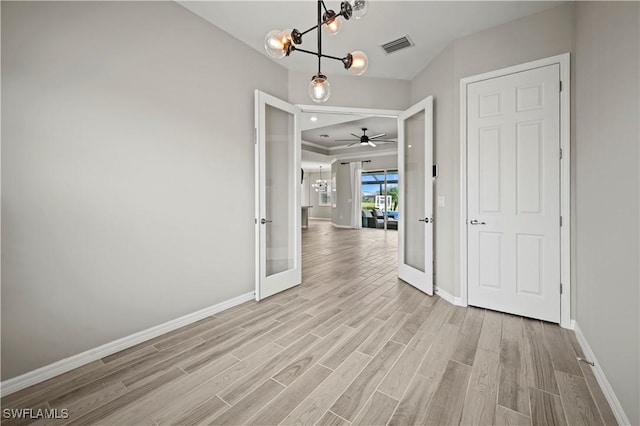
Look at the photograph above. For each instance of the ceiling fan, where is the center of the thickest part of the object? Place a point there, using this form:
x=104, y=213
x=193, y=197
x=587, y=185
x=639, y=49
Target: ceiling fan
x=364, y=139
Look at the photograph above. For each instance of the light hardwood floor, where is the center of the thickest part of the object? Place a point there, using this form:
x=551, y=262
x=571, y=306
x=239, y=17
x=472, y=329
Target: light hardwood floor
x=351, y=345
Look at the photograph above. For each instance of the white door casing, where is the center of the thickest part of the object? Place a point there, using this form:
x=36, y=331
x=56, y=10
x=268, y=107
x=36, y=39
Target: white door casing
x=513, y=199
x=277, y=196
x=415, y=195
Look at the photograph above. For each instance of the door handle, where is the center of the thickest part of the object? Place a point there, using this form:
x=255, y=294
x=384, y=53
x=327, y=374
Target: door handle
x=263, y=221
x=475, y=222
x=426, y=220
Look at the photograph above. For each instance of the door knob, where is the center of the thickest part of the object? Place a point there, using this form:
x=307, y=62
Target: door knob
x=475, y=222
x=263, y=221
x=426, y=220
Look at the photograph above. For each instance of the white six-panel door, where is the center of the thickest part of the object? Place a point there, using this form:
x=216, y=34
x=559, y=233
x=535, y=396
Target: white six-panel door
x=513, y=206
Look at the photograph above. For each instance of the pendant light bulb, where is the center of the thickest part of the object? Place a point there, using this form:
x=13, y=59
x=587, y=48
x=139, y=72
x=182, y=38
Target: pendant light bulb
x=359, y=8
x=334, y=26
x=319, y=89
x=359, y=63
x=275, y=44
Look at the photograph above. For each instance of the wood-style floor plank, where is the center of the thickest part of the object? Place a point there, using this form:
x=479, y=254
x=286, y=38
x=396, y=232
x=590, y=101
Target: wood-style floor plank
x=491, y=332
x=506, y=417
x=576, y=400
x=314, y=407
x=274, y=412
x=447, y=403
x=351, y=344
x=377, y=412
x=357, y=394
x=513, y=392
x=540, y=371
x=412, y=409
x=465, y=350
x=480, y=402
x=561, y=351
x=546, y=408
x=242, y=411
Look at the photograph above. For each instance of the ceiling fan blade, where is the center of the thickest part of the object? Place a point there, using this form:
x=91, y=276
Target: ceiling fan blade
x=355, y=143
x=345, y=140
x=385, y=141
x=355, y=136
x=372, y=144
x=378, y=136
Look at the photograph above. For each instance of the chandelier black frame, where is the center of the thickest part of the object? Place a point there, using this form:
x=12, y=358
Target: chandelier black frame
x=289, y=42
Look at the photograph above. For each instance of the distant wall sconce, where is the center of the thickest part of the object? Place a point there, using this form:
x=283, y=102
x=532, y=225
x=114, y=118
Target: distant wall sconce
x=279, y=44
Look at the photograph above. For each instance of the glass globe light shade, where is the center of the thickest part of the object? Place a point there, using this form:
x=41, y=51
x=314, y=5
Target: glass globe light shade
x=286, y=37
x=359, y=63
x=359, y=8
x=274, y=44
x=319, y=89
x=334, y=26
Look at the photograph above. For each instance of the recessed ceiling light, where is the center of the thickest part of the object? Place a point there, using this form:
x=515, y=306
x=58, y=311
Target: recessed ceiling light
x=324, y=135
x=314, y=118
x=409, y=146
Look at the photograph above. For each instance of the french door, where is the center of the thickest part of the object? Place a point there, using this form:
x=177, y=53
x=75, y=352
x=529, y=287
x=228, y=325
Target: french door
x=513, y=196
x=277, y=191
x=415, y=190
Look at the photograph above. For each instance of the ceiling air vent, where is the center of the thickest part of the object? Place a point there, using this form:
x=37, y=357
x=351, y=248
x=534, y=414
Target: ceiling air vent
x=395, y=45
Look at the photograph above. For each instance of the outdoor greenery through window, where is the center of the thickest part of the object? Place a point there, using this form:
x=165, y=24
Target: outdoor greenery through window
x=380, y=191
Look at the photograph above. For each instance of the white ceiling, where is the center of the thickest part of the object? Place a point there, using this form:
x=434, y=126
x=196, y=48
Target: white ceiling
x=430, y=24
x=375, y=126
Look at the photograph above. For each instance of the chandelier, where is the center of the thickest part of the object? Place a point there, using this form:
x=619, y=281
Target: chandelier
x=320, y=184
x=279, y=44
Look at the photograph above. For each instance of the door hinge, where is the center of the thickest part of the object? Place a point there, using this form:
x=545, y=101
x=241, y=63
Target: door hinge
x=256, y=221
x=561, y=86
x=561, y=153
x=560, y=221
x=255, y=136
x=560, y=288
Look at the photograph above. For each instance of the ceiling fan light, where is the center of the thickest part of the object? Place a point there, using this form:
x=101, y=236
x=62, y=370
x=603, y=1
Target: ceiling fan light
x=319, y=89
x=359, y=63
x=275, y=44
x=359, y=8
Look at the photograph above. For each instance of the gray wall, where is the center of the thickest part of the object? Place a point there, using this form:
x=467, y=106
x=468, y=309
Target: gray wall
x=536, y=36
x=353, y=91
x=607, y=200
x=341, y=214
x=603, y=39
x=127, y=171
x=312, y=198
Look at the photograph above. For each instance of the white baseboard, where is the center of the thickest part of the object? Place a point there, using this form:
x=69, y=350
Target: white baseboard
x=454, y=300
x=612, y=399
x=342, y=226
x=59, y=367
x=320, y=218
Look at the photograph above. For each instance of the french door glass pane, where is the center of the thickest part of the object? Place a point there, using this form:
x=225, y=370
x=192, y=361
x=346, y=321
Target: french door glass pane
x=414, y=201
x=279, y=203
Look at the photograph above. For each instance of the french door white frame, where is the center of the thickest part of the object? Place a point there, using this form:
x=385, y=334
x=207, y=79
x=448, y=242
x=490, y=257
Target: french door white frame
x=564, y=61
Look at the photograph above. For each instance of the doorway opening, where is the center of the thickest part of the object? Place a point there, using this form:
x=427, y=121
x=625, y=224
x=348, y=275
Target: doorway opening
x=379, y=199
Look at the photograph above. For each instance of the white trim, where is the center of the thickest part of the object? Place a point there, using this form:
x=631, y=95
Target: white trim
x=606, y=387
x=320, y=218
x=342, y=226
x=67, y=364
x=315, y=145
x=564, y=61
x=390, y=113
x=454, y=300
x=356, y=155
